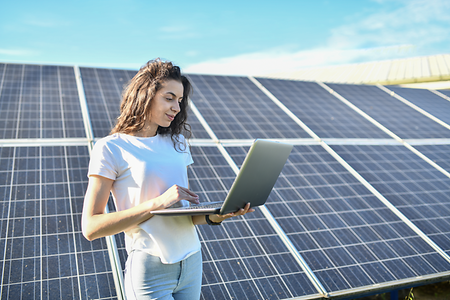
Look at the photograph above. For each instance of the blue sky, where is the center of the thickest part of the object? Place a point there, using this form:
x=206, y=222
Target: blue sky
x=222, y=37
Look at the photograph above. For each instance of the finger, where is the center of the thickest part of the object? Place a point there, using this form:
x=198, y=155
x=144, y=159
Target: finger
x=188, y=195
x=189, y=192
x=247, y=209
x=227, y=216
x=240, y=212
x=193, y=200
x=244, y=210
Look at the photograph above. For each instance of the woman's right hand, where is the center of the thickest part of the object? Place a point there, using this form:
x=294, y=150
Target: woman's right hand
x=176, y=193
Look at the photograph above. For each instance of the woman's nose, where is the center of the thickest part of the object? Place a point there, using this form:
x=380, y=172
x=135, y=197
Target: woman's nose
x=176, y=107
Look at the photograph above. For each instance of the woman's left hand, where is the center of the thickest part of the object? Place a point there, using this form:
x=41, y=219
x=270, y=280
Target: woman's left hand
x=241, y=212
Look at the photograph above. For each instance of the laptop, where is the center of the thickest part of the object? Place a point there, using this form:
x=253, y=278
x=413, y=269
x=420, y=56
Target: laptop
x=254, y=182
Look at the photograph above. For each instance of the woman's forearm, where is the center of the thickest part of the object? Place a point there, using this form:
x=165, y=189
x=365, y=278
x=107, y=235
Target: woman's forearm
x=101, y=225
x=96, y=224
x=198, y=220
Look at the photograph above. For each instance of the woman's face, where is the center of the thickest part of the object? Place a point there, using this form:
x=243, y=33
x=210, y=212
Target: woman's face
x=165, y=105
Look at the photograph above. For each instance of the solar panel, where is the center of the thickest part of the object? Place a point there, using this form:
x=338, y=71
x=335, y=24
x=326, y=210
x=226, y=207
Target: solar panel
x=237, y=109
x=43, y=252
x=348, y=237
x=393, y=114
x=40, y=102
x=323, y=113
x=428, y=101
x=412, y=185
x=324, y=232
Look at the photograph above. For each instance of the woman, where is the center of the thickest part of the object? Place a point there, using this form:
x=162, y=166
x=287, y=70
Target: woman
x=143, y=162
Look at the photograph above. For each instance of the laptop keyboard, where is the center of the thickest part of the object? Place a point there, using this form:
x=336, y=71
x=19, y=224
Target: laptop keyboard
x=212, y=205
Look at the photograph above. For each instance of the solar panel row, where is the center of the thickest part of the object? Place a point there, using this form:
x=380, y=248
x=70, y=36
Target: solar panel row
x=350, y=240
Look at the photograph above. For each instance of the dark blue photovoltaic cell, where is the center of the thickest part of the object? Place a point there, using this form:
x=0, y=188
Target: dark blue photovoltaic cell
x=323, y=113
x=426, y=100
x=415, y=187
x=345, y=234
x=40, y=102
x=439, y=154
x=43, y=254
x=396, y=116
x=235, y=108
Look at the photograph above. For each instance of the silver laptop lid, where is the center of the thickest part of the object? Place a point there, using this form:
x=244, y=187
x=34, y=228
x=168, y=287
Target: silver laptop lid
x=258, y=174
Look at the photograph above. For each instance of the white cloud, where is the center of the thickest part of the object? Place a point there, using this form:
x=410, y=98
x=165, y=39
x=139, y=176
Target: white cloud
x=417, y=22
x=263, y=63
x=402, y=32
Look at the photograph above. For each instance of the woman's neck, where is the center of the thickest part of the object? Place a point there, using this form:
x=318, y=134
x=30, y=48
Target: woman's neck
x=146, y=131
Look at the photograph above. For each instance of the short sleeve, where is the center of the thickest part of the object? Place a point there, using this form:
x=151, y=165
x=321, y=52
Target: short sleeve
x=189, y=159
x=102, y=161
x=188, y=156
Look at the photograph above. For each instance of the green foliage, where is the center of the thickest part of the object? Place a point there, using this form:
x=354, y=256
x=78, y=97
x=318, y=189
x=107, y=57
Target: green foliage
x=410, y=296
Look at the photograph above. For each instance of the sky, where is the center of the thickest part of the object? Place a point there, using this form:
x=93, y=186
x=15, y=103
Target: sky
x=228, y=37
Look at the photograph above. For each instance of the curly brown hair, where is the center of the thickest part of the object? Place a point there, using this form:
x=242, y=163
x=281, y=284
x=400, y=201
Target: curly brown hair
x=138, y=94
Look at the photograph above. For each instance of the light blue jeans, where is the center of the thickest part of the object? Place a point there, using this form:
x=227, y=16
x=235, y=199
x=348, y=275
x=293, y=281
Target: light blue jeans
x=146, y=277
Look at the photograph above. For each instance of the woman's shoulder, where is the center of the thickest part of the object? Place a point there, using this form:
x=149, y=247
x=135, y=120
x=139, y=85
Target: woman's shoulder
x=109, y=141
x=177, y=141
x=176, y=137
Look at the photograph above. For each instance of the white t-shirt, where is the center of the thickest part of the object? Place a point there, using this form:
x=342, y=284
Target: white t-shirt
x=143, y=169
